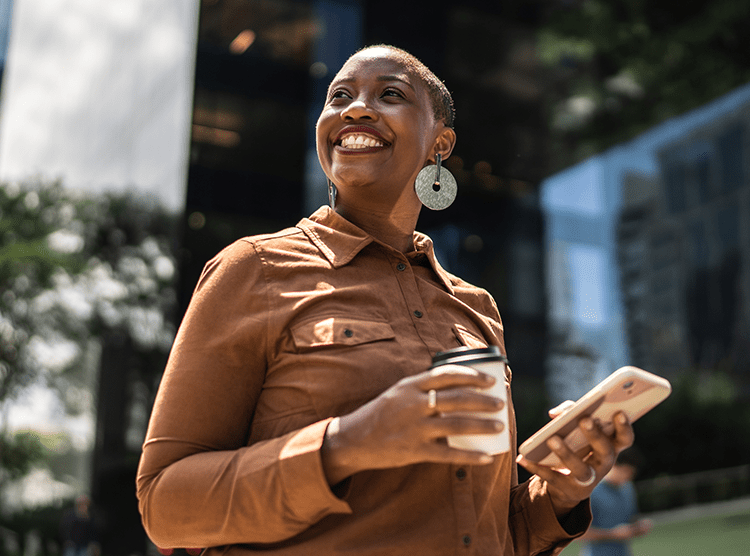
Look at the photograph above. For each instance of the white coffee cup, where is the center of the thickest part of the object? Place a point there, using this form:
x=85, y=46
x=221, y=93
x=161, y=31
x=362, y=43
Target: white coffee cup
x=490, y=361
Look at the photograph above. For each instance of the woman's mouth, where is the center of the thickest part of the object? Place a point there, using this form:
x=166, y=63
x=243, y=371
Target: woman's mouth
x=360, y=141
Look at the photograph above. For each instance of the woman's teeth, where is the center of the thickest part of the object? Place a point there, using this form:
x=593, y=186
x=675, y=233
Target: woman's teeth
x=360, y=142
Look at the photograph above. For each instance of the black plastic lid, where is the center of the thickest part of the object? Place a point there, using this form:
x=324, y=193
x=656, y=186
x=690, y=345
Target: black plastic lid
x=461, y=354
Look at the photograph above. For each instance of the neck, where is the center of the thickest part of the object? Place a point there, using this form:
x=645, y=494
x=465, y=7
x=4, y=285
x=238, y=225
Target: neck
x=389, y=226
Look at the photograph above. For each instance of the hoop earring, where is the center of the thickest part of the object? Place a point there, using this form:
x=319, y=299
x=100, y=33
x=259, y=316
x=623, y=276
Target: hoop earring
x=332, y=194
x=435, y=186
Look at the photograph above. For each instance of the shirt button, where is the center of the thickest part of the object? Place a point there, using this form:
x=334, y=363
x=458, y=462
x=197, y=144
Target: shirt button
x=418, y=314
x=461, y=474
x=466, y=540
x=401, y=267
x=348, y=333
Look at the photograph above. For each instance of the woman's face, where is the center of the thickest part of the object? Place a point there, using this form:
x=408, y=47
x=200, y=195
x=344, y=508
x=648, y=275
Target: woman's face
x=377, y=126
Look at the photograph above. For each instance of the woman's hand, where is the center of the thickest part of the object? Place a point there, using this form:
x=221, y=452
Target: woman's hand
x=399, y=427
x=570, y=485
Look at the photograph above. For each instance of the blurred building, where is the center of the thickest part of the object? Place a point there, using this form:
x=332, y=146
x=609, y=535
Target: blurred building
x=6, y=11
x=582, y=279
x=684, y=244
x=649, y=251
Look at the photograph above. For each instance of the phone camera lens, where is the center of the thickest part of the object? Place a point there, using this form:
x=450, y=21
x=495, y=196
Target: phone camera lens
x=628, y=384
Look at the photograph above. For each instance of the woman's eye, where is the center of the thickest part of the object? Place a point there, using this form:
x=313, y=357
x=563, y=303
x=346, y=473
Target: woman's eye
x=340, y=94
x=392, y=93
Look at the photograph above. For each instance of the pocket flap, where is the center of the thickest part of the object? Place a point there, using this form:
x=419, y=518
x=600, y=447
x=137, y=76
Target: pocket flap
x=468, y=338
x=340, y=331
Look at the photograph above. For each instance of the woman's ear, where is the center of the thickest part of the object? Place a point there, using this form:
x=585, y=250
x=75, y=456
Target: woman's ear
x=446, y=140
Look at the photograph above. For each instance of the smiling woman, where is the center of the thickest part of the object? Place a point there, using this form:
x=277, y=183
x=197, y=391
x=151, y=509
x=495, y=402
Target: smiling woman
x=299, y=413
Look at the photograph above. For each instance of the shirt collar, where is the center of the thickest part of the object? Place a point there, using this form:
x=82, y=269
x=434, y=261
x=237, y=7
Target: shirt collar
x=340, y=241
x=423, y=244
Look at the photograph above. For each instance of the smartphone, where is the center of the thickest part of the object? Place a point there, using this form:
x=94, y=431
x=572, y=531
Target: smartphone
x=629, y=389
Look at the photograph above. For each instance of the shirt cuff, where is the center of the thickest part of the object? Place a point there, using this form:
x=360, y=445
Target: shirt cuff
x=303, y=478
x=550, y=531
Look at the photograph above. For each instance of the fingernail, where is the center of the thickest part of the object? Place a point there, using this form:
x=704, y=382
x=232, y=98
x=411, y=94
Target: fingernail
x=499, y=426
x=555, y=442
x=588, y=424
x=486, y=458
x=622, y=418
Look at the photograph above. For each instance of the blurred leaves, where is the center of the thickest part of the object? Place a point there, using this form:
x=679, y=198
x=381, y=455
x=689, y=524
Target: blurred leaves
x=704, y=424
x=619, y=67
x=19, y=452
x=72, y=268
x=75, y=269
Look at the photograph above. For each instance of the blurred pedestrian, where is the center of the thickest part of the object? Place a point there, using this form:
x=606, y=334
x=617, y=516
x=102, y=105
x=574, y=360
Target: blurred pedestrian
x=79, y=531
x=614, y=507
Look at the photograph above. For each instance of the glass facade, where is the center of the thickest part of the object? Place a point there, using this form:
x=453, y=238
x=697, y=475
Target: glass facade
x=6, y=10
x=690, y=309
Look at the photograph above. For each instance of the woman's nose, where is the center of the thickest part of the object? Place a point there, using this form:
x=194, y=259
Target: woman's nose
x=358, y=109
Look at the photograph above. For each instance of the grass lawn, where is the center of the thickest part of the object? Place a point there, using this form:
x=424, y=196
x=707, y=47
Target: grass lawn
x=716, y=530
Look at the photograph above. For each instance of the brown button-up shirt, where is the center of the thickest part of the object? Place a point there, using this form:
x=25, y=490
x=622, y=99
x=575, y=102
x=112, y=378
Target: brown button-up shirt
x=285, y=331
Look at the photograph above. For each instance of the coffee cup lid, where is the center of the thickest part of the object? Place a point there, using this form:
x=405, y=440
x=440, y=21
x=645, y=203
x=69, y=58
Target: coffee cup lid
x=465, y=353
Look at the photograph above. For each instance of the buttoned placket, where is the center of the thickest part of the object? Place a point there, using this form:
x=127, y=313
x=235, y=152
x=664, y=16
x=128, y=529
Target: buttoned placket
x=464, y=511
x=413, y=300
x=463, y=502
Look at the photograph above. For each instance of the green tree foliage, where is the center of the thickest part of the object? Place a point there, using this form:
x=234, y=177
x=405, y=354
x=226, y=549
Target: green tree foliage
x=73, y=271
x=620, y=67
x=27, y=264
x=19, y=453
x=703, y=425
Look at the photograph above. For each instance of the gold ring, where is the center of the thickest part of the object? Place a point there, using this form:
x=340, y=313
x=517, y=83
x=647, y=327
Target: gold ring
x=432, y=399
x=588, y=482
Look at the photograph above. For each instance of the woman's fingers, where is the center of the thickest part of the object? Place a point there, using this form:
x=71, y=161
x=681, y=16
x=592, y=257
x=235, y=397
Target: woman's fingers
x=441, y=426
x=460, y=399
x=581, y=474
x=560, y=409
x=453, y=376
x=451, y=388
x=579, y=470
x=604, y=447
x=566, y=487
x=624, y=435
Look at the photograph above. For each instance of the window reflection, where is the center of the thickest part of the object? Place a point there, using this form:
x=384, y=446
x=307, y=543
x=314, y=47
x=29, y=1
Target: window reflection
x=730, y=144
x=279, y=30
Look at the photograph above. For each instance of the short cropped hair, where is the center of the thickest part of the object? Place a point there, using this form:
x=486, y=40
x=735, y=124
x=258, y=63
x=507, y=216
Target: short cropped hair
x=440, y=96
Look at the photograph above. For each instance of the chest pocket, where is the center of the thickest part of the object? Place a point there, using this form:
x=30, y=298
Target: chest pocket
x=345, y=361
x=339, y=331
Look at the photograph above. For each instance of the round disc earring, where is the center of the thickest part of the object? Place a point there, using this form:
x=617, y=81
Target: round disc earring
x=435, y=186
